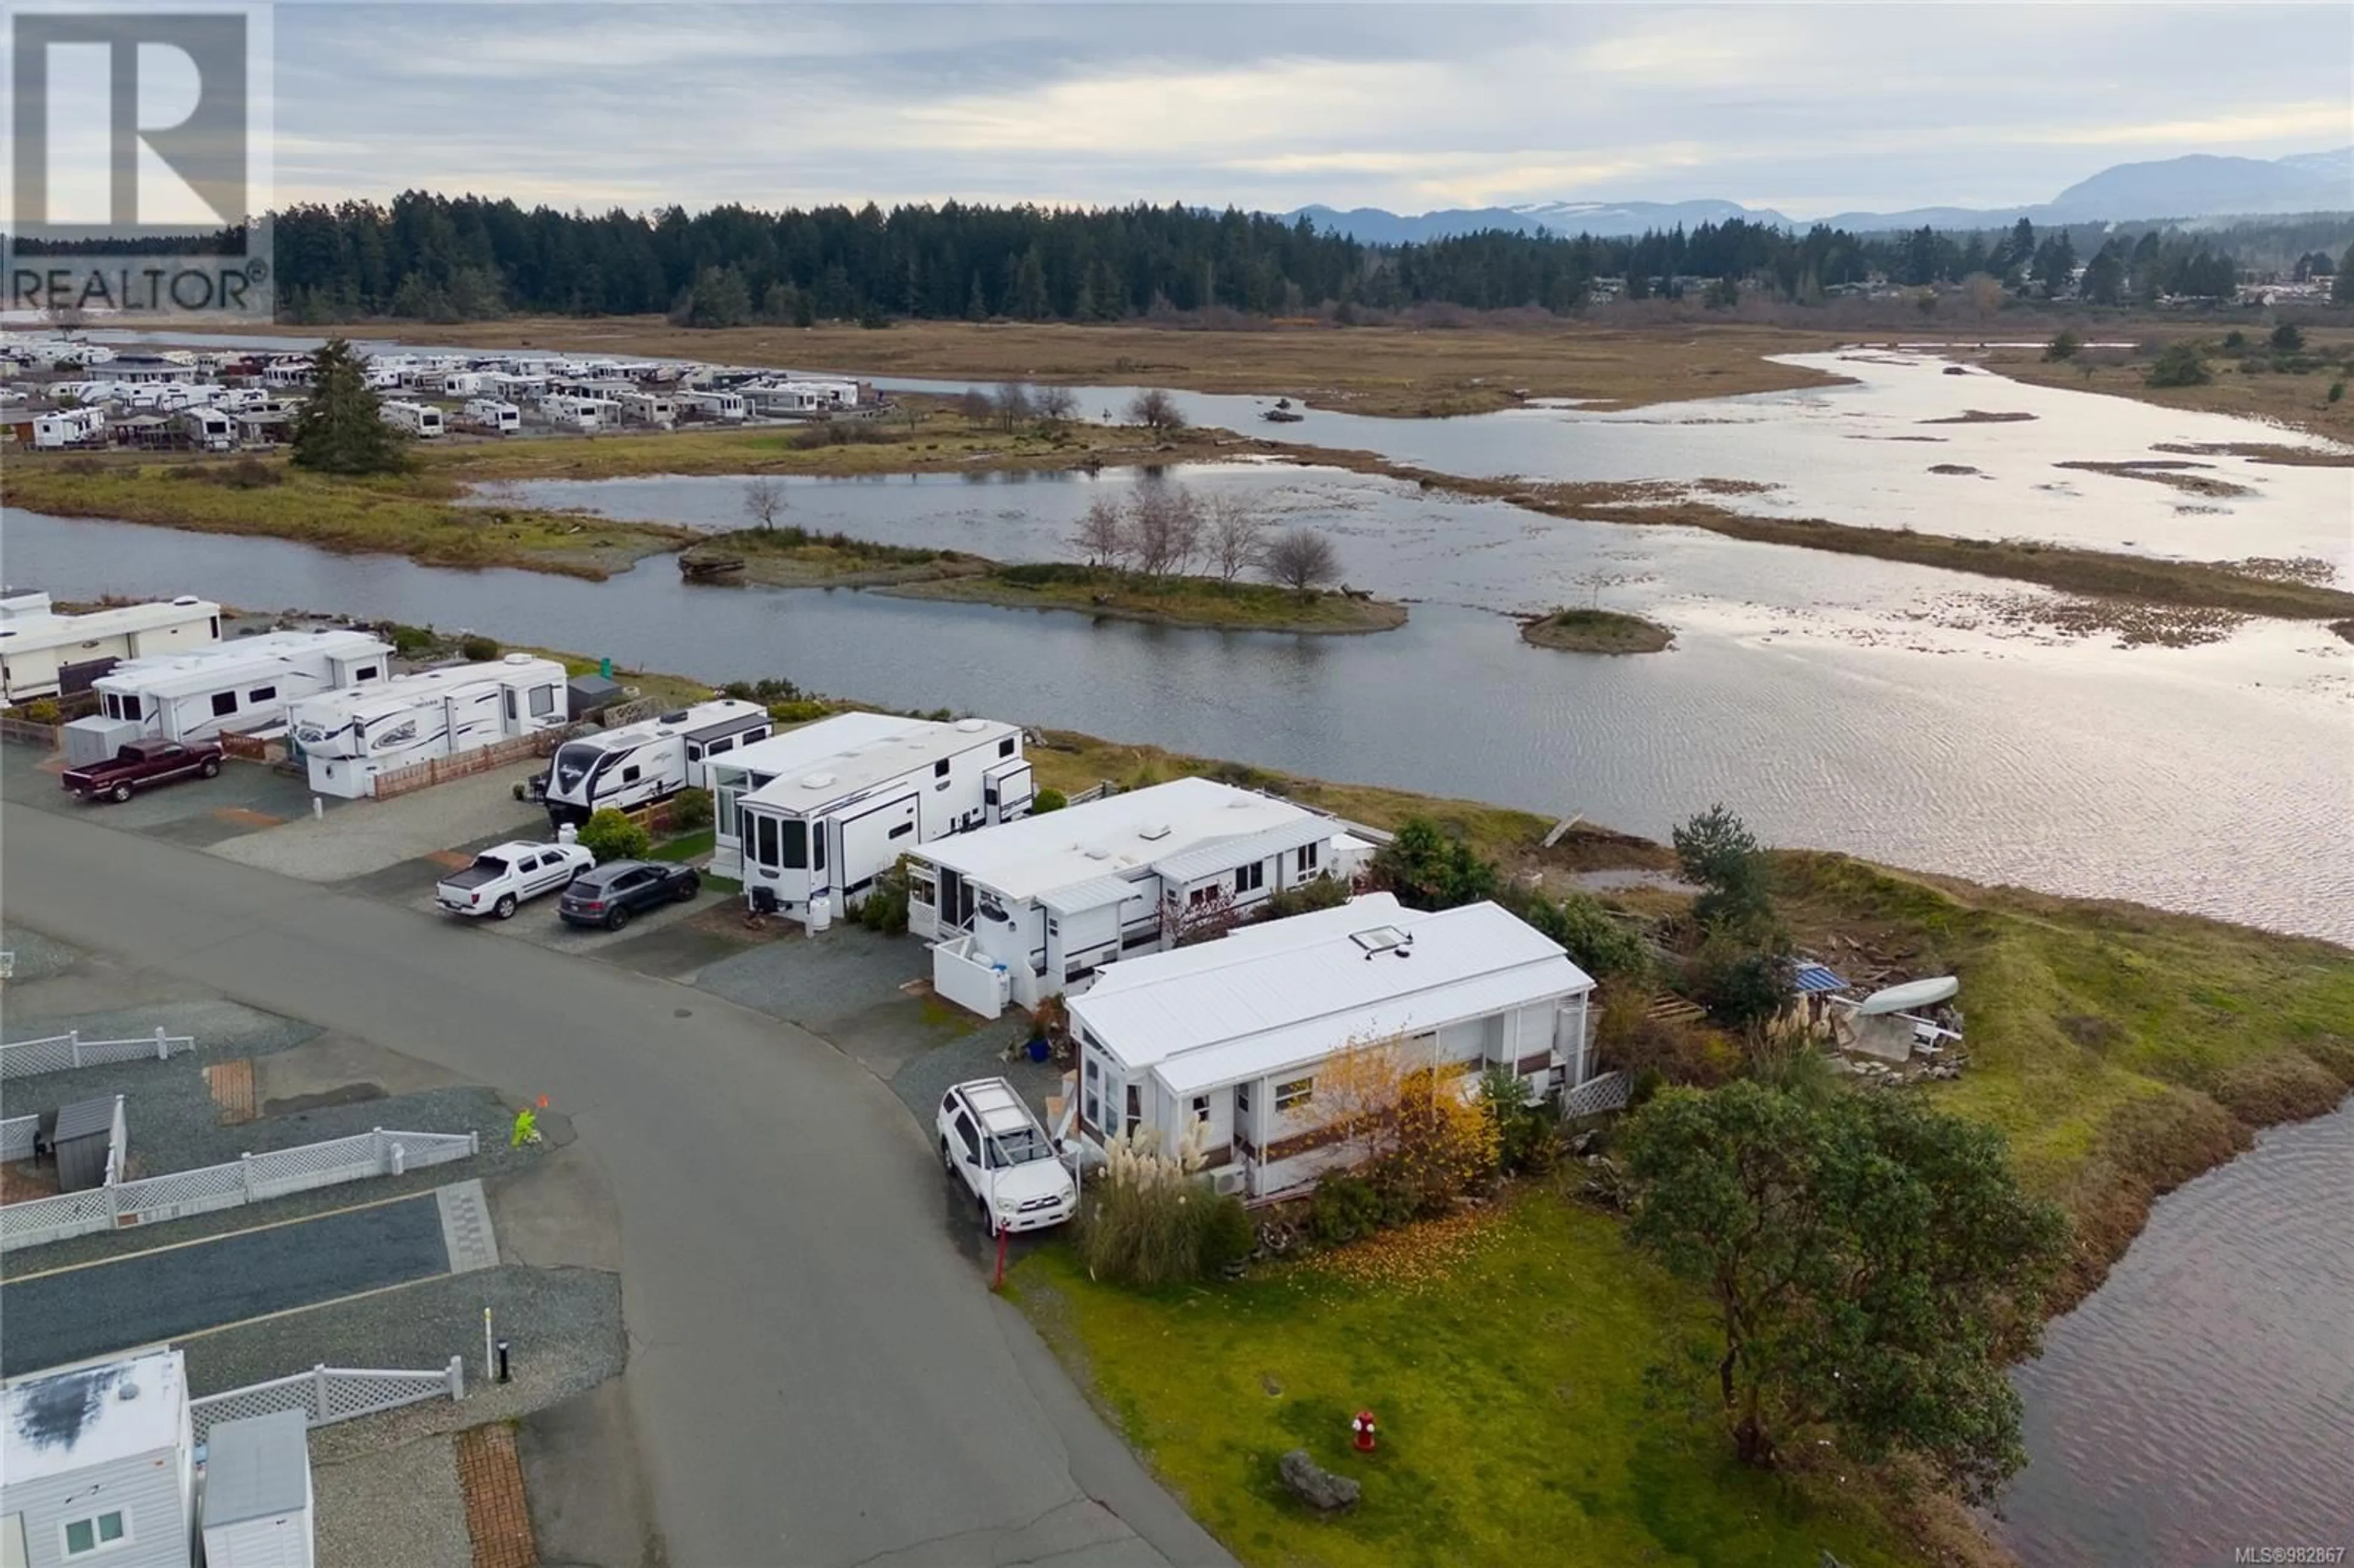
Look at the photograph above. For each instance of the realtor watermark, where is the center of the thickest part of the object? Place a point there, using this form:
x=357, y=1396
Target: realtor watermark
x=2288, y=1554
x=139, y=161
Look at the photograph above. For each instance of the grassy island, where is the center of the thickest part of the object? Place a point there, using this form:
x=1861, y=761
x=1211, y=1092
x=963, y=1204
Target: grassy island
x=1596, y=632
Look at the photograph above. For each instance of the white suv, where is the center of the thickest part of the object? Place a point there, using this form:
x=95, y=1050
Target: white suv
x=990, y=1141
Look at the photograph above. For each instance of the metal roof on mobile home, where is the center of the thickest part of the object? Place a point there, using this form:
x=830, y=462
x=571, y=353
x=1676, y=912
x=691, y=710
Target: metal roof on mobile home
x=1040, y=856
x=1287, y=992
x=837, y=757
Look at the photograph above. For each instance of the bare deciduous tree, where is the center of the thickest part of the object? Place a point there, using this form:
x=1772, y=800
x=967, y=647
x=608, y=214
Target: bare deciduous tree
x=1014, y=405
x=1157, y=410
x=764, y=502
x=1235, y=535
x=975, y=406
x=1057, y=405
x=1101, y=534
x=1301, y=559
x=1163, y=527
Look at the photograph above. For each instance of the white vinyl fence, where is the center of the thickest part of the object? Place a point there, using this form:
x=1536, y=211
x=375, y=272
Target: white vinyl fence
x=17, y=1136
x=328, y=1395
x=60, y=1052
x=250, y=1179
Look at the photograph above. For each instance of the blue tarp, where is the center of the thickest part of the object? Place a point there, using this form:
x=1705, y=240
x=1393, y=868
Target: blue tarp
x=1811, y=980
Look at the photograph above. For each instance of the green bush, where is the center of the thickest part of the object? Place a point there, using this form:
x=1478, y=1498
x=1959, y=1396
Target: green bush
x=1347, y=1207
x=800, y=710
x=884, y=907
x=2179, y=365
x=609, y=835
x=1528, y=1140
x=2063, y=345
x=1048, y=801
x=2336, y=391
x=1323, y=892
x=2286, y=338
x=690, y=811
x=409, y=641
x=480, y=649
x=43, y=710
x=1595, y=940
x=1041, y=574
x=2234, y=340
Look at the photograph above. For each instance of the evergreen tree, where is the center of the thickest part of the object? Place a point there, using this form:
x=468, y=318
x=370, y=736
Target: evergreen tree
x=341, y=428
x=2341, y=286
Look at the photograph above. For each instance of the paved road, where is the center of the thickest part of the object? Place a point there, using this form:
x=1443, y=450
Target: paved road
x=149, y=1296
x=818, y=1377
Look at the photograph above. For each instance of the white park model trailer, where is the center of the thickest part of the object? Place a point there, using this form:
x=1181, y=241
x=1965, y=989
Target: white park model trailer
x=349, y=738
x=638, y=764
x=237, y=686
x=43, y=653
x=811, y=817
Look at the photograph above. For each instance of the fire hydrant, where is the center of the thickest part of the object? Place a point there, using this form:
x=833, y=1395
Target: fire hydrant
x=1361, y=1423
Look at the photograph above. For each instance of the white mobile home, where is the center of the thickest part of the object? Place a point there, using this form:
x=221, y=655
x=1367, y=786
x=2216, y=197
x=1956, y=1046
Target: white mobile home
x=723, y=406
x=1223, y=1042
x=43, y=654
x=655, y=408
x=419, y=419
x=1033, y=908
x=638, y=764
x=577, y=413
x=208, y=430
x=464, y=382
x=98, y=1466
x=236, y=686
x=349, y=737
x=495, y=414
x=287, y=373
x=70, y=427
x=517, y=388
x=817, y=814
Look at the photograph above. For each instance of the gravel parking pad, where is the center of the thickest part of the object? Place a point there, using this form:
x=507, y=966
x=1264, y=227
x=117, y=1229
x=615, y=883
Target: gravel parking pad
x=407, y=1495
x=169, y=1291
x=366, y=836
x=37, y=958
x=983, y=1054
x=805, y=979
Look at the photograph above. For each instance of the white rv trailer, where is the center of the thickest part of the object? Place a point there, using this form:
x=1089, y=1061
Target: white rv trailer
x=70, y=427
x=577, y=413
x=517, y=388
x=209, y=429
x=286, y=372
x=493, y=414
x=43, y=654
x=712, y=405
x=638, y=764
x=234, y=687
x=464, y=382
x=816, y=815
x=417, y=418
x=347, y=737
x=653, y=408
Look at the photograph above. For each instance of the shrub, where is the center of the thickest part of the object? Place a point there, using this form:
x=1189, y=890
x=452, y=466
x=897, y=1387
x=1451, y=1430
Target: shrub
x=690, y=811
x=2286, y=338
x=2179, y=365
x=1428, y=870
x=1344, y=1208
x=800, y=710
x=409, y=641
x=43, y=710
x=1527, y=1142
x=1595, y=941
x=1323, y=892
x=1048, y=801
x=609, y=835
x=480, y=649
x=1150, y=1220
x=2336, y=391
x=2234, y=340
x=885, y=908
x=2063, y=345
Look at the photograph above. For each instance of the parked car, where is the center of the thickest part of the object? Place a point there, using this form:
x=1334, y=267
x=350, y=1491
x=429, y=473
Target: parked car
x=991, y=1143
x=506, y=875
x=135, y=768
x=609, y=894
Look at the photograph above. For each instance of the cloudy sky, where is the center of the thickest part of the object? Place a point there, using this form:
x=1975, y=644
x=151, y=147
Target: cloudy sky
x=1809, y=110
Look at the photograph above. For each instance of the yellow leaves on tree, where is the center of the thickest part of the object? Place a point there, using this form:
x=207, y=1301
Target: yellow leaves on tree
x=1411, y=1125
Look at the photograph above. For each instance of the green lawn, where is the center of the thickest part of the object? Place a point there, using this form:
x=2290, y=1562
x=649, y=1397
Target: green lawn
x=1516, y=1426
x=686, y=846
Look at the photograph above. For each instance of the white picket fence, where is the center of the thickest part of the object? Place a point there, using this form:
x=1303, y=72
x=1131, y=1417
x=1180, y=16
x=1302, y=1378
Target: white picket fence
x=328, y=1395
x=17, y=1136
x=1609, y=1092
x=250, y=1179
x=60, y=1052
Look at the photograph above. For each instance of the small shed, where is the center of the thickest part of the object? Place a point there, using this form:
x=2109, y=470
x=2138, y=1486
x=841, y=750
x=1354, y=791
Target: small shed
x=257, y=1497
x=85, y=1132
x=593, y=694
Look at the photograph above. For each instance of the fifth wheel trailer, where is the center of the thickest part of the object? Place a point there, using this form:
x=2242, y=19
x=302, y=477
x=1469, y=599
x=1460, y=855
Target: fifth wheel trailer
x=237, y=687
x=638, y=764
x=43, y=654
x=349, y=738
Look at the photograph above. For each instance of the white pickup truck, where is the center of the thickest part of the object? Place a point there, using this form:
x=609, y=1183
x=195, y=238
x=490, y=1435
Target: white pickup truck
x=505, y=875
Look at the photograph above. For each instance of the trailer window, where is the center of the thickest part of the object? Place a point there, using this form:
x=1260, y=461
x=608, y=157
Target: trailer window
x=941, y=768
x=262, y=694
x=542, y=701
x=1005, y=746
x=366, y=673
x=796, y=844
x=224, y=704
x=513, y=715
x=902, y=830
x=766, y=853
x=817, y=846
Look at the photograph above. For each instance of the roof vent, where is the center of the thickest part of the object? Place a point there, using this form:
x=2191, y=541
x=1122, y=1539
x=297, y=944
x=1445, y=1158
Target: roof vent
x=679, y=717
x=126, y=1390
x=817, y=781
x=971, y=726
x=187, y=599
x=518, y=659
x=1381, y=939
x=1098, y=852
x=1153, y=830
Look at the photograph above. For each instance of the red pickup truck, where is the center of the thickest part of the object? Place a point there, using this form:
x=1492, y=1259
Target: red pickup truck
x=135, y=768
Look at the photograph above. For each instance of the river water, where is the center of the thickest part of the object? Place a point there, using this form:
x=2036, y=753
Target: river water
x=2201, y=1399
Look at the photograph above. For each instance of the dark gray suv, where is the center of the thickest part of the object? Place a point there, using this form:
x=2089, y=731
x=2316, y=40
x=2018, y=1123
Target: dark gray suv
x=608, y=894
